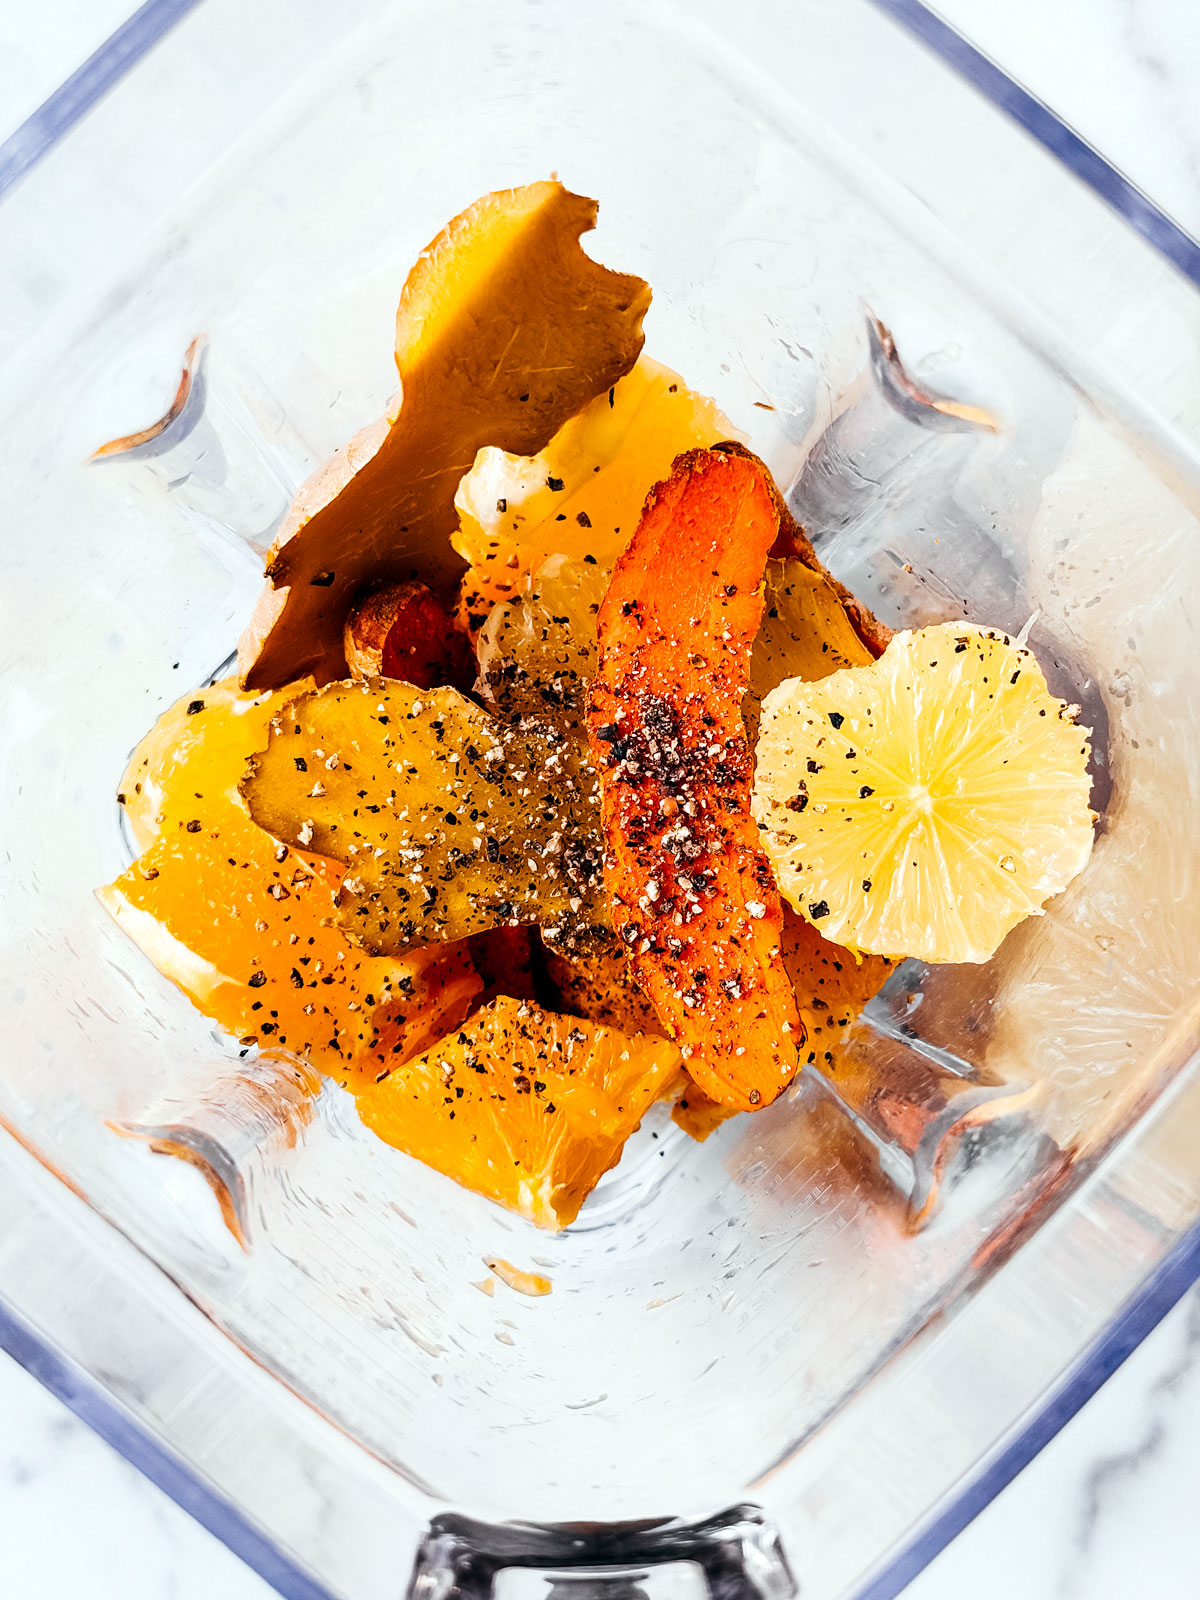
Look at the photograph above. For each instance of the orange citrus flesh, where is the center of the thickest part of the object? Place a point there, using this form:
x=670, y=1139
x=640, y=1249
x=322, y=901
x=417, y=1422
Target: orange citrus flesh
x=696, y=1114
x=242, y=924
x=831, y=985
x=523, y=1106
x=582, y=495
x=926, y=803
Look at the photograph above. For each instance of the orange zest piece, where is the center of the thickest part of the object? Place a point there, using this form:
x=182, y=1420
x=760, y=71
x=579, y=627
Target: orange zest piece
x=523, y=1106
x=243, y=924
x=693, y=898
x=533, y=1284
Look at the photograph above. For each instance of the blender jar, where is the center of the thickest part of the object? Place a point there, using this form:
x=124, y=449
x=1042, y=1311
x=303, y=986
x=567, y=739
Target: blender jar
x=796, y=1357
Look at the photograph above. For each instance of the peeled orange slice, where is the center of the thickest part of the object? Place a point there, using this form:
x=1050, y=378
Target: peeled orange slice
x=243, y=924
x=524, y=1106
x=926, y=803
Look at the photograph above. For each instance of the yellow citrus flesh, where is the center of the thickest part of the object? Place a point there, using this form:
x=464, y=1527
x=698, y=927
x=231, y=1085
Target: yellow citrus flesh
x=926, y=803
x=524, y=1106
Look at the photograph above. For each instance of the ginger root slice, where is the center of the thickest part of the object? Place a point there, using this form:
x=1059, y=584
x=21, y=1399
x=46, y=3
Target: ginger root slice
x=505, y=329
x=693, y=898
x=449, y=821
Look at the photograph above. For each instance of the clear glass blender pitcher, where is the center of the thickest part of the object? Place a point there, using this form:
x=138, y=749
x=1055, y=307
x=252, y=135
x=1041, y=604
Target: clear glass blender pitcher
x=791, y=1357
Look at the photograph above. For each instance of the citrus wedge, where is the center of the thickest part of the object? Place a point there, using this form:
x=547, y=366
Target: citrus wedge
x=926, y=803
x=524, y=1106
x=242, y=924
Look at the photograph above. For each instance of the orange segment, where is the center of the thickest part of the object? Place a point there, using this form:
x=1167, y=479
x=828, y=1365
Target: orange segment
x=525, y=1107
x=240, y=922
x=832, y=986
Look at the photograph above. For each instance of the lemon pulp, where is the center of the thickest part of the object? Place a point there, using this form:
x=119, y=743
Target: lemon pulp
x=927, y=802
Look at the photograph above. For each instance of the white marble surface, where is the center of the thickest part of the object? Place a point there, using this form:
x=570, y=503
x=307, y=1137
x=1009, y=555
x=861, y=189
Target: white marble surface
x=1109, y=1510
x=1124, y=73
x=77, y=1522
x=1106, y=1512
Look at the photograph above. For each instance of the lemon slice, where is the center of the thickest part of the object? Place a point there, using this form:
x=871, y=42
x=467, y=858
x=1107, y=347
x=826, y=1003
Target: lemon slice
x=925, y=804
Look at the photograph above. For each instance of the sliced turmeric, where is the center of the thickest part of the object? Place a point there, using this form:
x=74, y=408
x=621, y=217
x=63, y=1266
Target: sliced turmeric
x=692, y=895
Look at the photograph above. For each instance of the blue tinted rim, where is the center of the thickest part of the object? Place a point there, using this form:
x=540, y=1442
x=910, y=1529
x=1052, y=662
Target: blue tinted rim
x=93, y=1405
x=42, y=130
x=1032, y=114
x=1175, y=1274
